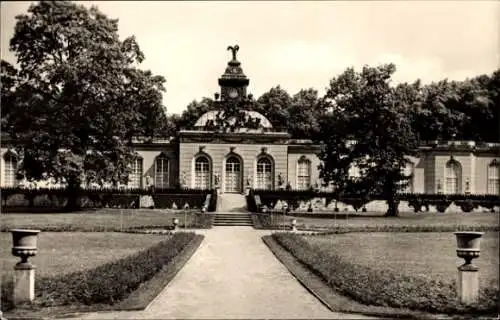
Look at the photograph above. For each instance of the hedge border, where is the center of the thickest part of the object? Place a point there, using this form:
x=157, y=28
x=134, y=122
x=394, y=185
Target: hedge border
x=293, y=243
x=150, y=287
x=327, y=295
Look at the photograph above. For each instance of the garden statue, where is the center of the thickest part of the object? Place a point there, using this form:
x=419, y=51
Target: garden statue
x=217, y=179
x=183, y=180
x=280, y=180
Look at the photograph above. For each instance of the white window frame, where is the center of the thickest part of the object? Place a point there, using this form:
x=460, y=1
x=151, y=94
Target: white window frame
x=303, y=173
x=10, y=170
x=452, y=177
x=162, y=177
x=202, y=172
x=493, y=178
x=135, y=176
x=264, y=172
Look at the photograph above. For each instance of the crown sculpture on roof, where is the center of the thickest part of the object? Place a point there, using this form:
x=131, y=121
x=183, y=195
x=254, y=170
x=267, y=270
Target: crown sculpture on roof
x=234, y=49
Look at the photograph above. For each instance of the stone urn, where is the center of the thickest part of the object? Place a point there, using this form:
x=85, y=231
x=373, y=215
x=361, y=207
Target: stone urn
x=468, y=245
x=24, y=243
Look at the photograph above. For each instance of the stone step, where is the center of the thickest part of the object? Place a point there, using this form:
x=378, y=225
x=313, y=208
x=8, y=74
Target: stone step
x=232, y=220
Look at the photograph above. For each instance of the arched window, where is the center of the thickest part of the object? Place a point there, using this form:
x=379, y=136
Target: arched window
x=202, y=173
x=453, y=177
x=135, y=177
x=10, y=169
x=264, y=174
x=494, y=178
x=303, y=173
x=162, y=172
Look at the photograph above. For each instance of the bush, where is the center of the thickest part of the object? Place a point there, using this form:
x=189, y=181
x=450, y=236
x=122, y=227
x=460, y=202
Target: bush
x=108, y=283
x=371, y=286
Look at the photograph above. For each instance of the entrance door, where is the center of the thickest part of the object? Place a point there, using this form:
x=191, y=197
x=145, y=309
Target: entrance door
x=233, y=175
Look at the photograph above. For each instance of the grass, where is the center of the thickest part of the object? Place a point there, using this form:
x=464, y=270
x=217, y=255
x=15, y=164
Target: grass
x=161, y=261
x=66, y=252
x=335, y=301
x=406, y=271
x=100, y=220
x=431, y=254
x=437, y=220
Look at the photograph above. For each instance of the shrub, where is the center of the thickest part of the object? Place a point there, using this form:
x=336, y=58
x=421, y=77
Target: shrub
x=371, y=286
x=108, y=283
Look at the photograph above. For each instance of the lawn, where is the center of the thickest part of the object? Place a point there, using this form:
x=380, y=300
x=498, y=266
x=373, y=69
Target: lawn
x=404, y=271
x=99, y=220
x=448, y=219
x=429, y=254
x=66, y=252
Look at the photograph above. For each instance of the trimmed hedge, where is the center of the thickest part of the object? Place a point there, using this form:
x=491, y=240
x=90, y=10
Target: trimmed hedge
x=108, y=283
x=264, y=221
x=110, y=198
x=384, y=287
x=259, y=198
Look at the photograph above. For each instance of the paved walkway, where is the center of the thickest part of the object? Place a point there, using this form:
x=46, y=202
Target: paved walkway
x=232, y=275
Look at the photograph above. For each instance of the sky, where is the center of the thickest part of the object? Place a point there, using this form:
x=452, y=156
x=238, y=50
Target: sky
x=298, y=45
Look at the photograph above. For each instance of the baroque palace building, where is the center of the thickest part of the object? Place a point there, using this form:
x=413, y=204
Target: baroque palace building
x=267, y=158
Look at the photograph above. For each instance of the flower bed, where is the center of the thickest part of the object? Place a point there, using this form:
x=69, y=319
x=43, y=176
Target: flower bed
x=384, y=287
x=106, y=284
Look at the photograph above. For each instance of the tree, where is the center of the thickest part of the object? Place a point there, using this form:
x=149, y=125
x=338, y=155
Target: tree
x=305, y=111
x=81, y=100
x=193, y=112
x=9, y=83
x=274, y=106
x=368, y=128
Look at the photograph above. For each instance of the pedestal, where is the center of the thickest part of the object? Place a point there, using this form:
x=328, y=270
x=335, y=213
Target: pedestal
x=468, y=284
x=24, y=283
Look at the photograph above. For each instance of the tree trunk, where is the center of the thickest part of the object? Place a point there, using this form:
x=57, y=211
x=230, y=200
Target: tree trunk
x=392, y=210
x=73, y=192
x=392, y=200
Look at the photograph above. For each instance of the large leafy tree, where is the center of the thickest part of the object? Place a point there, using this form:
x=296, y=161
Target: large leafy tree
x=305, y=112
x=80, y=99
x=368, y=127
x=274, y=105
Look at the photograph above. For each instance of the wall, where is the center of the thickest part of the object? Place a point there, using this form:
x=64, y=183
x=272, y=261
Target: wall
x=293, y=158
x=218, y=153
x=148, y=162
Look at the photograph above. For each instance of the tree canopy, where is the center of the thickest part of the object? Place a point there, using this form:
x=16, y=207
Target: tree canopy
x=78, y=98
x=368, y=128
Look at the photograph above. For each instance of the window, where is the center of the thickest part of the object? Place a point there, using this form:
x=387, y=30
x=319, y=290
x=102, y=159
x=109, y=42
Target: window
x=10, y=169
x=494, y=178
x=161, y=172
x=303, y=173
x=453, y=177
x=135, y=177
x=202, y=173
x=264, y=174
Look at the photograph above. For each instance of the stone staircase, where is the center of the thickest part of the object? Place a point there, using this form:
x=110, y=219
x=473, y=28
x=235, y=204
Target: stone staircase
x=232, y=219
x=231, y=202
x=232, y=210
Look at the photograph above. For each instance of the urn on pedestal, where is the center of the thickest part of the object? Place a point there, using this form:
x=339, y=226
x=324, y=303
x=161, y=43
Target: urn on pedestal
x=24, y=243
x=24, y=246
x=468, y=245
x=468, y=275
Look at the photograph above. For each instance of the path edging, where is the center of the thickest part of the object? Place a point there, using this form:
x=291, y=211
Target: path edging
x=324, y=293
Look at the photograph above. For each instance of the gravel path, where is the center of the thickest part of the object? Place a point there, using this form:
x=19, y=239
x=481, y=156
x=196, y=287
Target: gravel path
x=232, y=275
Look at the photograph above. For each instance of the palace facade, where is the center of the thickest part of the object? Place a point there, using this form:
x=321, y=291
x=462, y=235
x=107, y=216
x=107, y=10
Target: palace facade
x=267, y=158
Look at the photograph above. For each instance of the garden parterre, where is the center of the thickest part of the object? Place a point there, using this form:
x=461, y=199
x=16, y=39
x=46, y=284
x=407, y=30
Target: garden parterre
x=414, y=272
